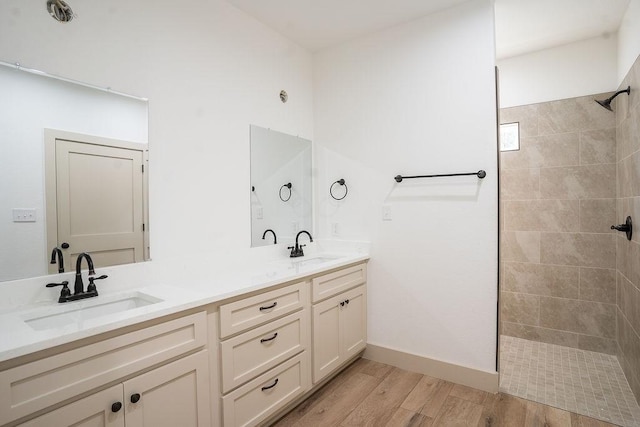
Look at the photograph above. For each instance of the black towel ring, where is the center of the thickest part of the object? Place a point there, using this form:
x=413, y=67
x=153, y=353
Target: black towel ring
x=346, y=189
x=287, y=185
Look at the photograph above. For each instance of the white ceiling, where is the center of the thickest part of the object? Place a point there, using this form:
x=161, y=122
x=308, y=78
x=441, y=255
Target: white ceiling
x=521, y=25
x=529, y=25
x=316, y=24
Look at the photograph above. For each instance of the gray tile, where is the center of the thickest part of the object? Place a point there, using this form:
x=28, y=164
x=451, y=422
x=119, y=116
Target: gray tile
x=520, y=246
x=584, y=250
x=628, y=206
x=634, y=173
x=582, y=381
x=571, y=115
x=519, y=308
x=628, y=254
x=597, y=344
x=598, y=146
x=579, y=182
x=598, y=284
x=623, y=178
x=526, y=115
x=541, y=279
x=542, y=215
x=545, y=151
x=629, y=300
x=583, y=317
x=627, y=135
x=597, y=215
x=536, y=333
x=633, y=79
x=519, y=184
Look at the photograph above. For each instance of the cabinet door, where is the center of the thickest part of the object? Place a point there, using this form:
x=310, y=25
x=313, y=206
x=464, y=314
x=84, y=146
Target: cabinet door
x=326, y=337
x=353, y=322
x=92, y=411
x=176, y=394
x=339, y=330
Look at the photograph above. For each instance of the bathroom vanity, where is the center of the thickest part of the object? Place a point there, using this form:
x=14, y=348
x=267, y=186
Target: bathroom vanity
x=238, y=356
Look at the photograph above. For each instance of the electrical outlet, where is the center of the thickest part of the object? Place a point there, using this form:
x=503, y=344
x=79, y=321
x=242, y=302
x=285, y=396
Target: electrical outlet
x=386, y=213
x=24, y=215
x=334, y=229
x=259, y=212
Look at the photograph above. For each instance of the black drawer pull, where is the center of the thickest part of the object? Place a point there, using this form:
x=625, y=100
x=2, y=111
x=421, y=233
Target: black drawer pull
x=267, y=387
x=116, y=407
x=269, y=307
x=263, y=340
x=347, y=301
x=342, y=304
x=135, y=397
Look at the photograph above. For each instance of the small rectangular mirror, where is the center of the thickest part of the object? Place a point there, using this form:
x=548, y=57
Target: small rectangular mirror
x=281, y=189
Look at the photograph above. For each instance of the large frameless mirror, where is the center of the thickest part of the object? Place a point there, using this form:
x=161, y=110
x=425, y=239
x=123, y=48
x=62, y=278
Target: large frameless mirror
x=73, y=168
x=281, y=199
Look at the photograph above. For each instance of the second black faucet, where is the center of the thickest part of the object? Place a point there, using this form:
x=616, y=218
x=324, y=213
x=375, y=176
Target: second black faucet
x=296, y=251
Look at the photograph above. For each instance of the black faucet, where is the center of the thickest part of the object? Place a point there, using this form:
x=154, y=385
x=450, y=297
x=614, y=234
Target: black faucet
x=56, y=252
x=296, y=251
x=78, y=287
x=275, y=239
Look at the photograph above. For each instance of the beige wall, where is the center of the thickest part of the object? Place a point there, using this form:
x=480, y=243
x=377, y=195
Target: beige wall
x=628, y=253
x=558, y=201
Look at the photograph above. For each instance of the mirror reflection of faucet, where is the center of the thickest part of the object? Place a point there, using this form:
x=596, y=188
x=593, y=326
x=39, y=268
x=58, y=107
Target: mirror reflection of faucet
x=78, y=287
x=296, y=251
x=57, y=253
x=268, y=230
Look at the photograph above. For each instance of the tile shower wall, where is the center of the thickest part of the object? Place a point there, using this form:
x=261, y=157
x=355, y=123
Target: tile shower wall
x=558, y=201
x=628, y=252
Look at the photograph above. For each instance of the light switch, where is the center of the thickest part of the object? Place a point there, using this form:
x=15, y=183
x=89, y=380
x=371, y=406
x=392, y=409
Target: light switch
x=259, y=212
x=386, y=213
x=24, y=215
x=334, y=229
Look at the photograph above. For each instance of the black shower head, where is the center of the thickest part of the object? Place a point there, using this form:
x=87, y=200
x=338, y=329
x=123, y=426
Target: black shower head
x=606, y=103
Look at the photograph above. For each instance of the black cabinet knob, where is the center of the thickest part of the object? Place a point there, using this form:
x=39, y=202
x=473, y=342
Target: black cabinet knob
x=65, y=245
x=116, y=407
x=135, y=397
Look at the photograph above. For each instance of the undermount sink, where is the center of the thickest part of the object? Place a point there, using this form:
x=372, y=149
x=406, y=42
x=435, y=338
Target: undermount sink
x=77, y=312
x=315, y=261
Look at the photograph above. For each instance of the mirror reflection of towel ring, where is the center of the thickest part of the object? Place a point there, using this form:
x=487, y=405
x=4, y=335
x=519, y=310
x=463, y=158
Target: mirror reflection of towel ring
x=287, y=185
x=342, y=183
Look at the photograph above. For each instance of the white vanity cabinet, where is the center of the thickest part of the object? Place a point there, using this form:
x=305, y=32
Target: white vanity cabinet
x=264, y=353
x=175, y=394
x=339, y=319
x=155, y=376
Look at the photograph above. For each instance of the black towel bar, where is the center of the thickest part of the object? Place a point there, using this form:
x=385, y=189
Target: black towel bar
x=480, y=174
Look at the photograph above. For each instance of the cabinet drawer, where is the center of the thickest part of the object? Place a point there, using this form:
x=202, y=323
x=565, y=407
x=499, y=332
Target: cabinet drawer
x=264, y=396
x=247, y=313
x=252, y=353
x=338, y=281
x=36, y=385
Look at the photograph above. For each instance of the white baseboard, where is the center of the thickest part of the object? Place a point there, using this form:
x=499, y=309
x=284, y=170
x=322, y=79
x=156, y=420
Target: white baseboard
x=482, y=380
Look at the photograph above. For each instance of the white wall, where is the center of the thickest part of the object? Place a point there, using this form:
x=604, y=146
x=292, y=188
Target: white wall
x=417, y=99
x=628, y=39
x=208, y=70
x=576, y=69
x=28, y=105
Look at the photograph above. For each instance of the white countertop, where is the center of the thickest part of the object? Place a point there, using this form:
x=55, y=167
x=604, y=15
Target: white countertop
x=18, y=338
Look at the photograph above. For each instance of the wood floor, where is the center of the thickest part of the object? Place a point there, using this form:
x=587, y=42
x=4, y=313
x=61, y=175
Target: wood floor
x=373, y=394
